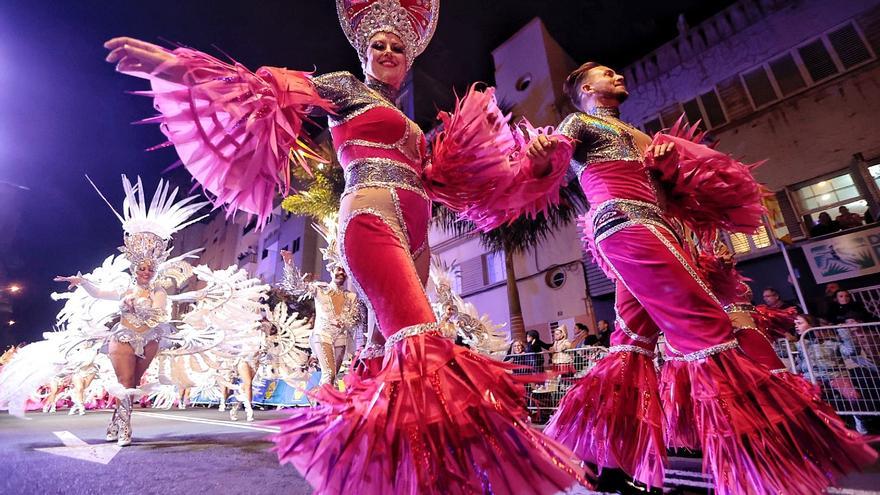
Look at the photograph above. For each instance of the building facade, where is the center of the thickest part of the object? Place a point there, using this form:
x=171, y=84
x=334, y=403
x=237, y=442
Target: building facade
x=793, y=83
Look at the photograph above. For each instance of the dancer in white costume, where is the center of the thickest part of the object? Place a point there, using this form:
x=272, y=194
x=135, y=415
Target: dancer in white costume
x=339, y=313
x=143, y=305
x=460, y=319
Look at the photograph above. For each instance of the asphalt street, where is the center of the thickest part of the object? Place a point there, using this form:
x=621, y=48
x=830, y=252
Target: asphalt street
x=189, y=451
x=197, y=450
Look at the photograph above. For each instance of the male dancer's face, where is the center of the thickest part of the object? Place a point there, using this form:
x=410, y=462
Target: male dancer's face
x=339, y=276
x=604, y=86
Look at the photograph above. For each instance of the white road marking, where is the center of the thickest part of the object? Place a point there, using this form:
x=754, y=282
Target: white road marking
x=212, y=422
x=78, y=449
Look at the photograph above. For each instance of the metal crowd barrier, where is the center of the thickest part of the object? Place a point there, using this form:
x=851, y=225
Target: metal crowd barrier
x=543, y=399
x=869, y=297
x=843, y=360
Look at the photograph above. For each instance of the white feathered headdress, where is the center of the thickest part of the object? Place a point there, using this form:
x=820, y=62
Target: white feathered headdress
x=328, y=230
x=148, y=228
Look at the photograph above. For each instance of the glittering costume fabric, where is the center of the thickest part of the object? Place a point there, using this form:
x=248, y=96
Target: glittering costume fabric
x=425, y=417
x=757, y=435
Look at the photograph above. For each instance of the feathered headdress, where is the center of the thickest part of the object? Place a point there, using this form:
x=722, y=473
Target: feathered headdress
x=413, y=21
x=148, y=228
x=328, y=231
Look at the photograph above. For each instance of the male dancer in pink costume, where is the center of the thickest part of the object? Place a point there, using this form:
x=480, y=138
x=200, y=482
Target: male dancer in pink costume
x=757, y=435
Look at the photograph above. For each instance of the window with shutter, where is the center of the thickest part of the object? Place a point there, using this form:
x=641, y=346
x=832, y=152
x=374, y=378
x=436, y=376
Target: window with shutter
x=817, y=60
x=759, y=87
x=712, y=109
x=792, y=220
x=788, y=76
x=848, y=45
x=472, y=275
x=597, y=283
x=734, y=97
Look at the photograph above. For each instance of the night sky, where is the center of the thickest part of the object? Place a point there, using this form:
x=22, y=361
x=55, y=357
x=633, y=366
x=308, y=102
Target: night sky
x=64, y=112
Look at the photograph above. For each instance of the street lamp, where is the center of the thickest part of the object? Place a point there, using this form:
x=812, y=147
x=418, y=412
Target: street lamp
x=10, y=322
x=14, y=288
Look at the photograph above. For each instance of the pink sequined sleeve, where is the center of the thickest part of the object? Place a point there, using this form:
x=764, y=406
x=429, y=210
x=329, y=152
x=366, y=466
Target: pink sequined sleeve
x=479, y=166
x=236, y=131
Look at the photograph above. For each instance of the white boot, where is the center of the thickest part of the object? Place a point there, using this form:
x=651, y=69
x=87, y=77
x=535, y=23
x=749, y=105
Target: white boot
x=113, y=427
x=248, y=410
x=222, y=406
x=233, y=411
x=124, y=422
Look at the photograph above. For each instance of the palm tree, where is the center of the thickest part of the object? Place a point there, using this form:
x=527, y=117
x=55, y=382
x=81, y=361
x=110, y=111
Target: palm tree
x=517, y=237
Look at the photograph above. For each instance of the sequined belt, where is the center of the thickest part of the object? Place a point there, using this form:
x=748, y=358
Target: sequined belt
x=617, y=214
x=739, y=308
x=384, y=173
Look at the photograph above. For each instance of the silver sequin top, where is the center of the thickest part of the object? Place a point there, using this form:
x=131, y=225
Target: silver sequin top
x=601, y=136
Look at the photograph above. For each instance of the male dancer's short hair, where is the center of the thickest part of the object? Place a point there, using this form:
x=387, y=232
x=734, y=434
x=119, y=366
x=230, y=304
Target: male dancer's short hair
x=572, y=84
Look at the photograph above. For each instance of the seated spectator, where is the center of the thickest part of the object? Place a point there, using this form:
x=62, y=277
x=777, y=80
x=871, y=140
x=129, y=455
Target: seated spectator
x=773, y=300
x=825, y=225
x=847, y=219
x=535, y=348
x=844, y=304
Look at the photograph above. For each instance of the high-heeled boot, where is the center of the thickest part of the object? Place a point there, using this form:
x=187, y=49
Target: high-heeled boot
x=124, y=422
x=113, y=427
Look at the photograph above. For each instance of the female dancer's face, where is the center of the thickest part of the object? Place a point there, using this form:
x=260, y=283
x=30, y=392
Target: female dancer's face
x=386, y=60
x=144, y=273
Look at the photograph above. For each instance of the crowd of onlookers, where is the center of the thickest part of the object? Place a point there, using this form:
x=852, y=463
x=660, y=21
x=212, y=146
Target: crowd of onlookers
x=845, y=220
x=832, y=346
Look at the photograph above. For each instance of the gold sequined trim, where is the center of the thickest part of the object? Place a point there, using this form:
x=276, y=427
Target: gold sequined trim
x=410, y=331
x=372, y=351
x=630, y=348
x=739, y=308
x=709, y=351
x=632, y=335
x=399, y=145
x=684, y=263
x=394, y=229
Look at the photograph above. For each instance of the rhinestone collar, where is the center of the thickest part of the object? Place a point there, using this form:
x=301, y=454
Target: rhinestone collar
x=605, y=112
x=385, y=90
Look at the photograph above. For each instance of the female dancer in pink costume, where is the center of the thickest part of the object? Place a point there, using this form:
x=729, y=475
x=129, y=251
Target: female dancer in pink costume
x=436, y=418
x=757, y=434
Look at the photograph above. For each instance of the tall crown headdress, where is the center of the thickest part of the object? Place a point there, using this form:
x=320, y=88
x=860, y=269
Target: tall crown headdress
x=413, y=21
x=148, y=228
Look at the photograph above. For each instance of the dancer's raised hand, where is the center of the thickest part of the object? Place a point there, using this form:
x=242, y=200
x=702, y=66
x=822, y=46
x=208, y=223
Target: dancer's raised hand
x=141, y=59
x=72, y=281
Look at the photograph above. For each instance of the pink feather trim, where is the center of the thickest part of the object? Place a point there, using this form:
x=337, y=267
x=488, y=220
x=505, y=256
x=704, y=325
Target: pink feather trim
x=479, y=165
x=236, y=131
x=707, y=189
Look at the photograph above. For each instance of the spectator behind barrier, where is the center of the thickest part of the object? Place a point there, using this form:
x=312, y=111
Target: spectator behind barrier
x=563, y=362
x=773, y=300
x=826, y=359
x=535, y=348
x=516, y=355
x=844, y=304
